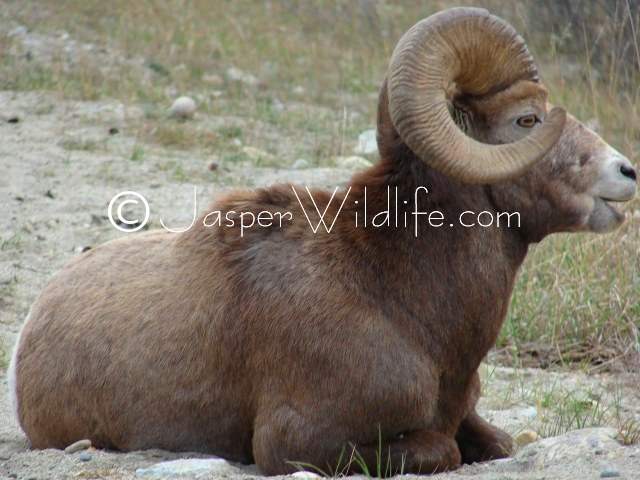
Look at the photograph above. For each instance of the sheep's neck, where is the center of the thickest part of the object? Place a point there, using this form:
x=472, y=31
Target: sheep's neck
x=450, y=273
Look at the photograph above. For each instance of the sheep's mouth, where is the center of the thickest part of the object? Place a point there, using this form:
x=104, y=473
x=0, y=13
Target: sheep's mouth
x=609, y=204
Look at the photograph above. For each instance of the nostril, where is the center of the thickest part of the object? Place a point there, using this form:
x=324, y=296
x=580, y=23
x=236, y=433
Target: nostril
x=628, y=172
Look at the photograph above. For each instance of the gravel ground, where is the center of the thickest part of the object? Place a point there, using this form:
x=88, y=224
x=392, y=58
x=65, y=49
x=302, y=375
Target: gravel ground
x=60, y=168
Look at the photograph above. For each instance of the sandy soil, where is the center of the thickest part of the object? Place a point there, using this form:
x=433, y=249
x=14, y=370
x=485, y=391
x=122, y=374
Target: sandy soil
x=60, y=167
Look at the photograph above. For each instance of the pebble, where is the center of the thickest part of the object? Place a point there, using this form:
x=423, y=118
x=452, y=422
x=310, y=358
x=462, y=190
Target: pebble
x=529, y=412
x=78, y=446
x=234, y=74
x=84, y=456
x=300, y=163
x=305, y=475
x=183, y=107
x=367, y=143
x=609, y=472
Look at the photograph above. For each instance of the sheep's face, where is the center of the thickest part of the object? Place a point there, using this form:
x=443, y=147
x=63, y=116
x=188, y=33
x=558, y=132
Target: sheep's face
x=571, y=188
x=593, y=174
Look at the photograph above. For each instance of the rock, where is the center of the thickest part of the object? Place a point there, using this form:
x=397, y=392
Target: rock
x=214, y=467
x=236, y=75
x=527, y=437
x=183, y=108
x=353, y=162
x=300, y=164
x=573, y=445
x=367, y=143
x=609, y=472
x=85, y=456
x=305, y=475
x=78, y=446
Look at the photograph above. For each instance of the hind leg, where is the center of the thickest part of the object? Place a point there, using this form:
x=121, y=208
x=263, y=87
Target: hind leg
x=480, y=441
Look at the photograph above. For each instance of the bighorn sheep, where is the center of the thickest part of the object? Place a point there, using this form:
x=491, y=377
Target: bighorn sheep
x=284, y=345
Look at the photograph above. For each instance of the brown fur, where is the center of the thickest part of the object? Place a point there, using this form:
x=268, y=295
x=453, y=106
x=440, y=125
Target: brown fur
x=288, y=345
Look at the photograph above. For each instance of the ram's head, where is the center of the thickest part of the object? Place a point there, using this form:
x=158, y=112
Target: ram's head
x=462, y=92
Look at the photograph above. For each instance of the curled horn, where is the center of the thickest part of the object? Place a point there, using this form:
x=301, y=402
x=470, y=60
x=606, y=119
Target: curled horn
x=481, y=54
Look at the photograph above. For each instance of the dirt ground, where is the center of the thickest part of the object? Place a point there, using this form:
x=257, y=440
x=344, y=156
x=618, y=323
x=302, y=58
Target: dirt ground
x=61, y=164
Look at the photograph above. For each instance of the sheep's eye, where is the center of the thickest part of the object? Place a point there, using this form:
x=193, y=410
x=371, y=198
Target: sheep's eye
x=528, y=121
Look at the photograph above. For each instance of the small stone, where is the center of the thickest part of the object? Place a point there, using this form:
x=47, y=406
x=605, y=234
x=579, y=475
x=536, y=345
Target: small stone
x=49, y=194
x=367, y=143
x=213, y=166
x=236, y=75
x=113, y=131
x=28, y=227
x=526, y=437
x=84, y=456
x=609, y=472
x=78, y=446
x=183, y=108
x=13, y=119
x=305, y=475
x=190, y=467
x=300, y=164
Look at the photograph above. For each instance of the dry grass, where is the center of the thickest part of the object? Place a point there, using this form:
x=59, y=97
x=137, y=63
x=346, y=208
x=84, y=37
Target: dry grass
x=578, y=297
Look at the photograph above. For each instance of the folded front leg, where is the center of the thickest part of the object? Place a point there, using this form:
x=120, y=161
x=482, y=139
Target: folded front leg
x=419, y=452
